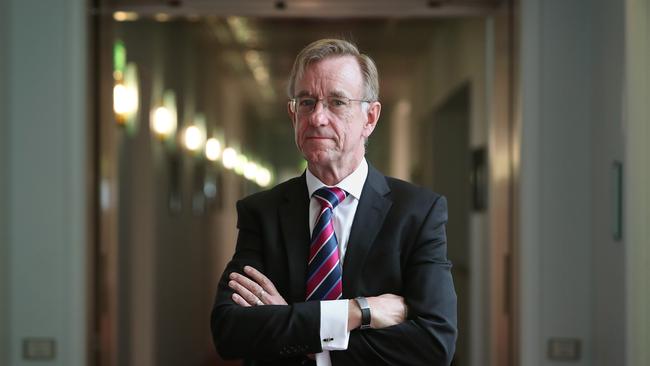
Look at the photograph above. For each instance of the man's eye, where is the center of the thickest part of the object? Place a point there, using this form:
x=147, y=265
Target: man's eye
x=337, y=102
x=306, y=102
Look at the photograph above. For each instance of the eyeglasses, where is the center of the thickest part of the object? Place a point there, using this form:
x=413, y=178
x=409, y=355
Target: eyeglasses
x=337, y=105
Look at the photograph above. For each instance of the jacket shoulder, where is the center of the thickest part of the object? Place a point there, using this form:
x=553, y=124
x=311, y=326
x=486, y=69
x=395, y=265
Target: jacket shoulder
x=401, y=189
x=412, y=200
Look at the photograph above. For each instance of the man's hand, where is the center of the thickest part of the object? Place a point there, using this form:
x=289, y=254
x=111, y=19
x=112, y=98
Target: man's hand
x=254, y=291
x=385, y=310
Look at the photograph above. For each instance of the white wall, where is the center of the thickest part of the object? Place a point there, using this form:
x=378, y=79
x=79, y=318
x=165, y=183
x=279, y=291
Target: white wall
x=637, y=180
x=45, y=74
x=608, y=256
x=529, y=240
x=572, y=269
x=4, y=272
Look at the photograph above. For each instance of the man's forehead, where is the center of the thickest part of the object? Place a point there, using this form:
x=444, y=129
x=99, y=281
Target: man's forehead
x=341, y=75
x=330, y=93
x=336, y=64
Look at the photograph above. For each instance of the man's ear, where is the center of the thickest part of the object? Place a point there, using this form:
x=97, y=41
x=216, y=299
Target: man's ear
x=374, y=110
x=292, y=114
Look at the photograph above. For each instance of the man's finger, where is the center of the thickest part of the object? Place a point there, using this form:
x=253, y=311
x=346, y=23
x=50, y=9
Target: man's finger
x=240, y=300
x=246, y=282
x=261, y=280
x=244, y=292
x=256, y=293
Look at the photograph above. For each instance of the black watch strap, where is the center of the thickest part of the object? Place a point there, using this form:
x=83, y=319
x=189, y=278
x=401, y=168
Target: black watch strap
x=365, y=312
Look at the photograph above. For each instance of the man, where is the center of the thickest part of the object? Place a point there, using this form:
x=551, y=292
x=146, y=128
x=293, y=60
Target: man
x=328, y=263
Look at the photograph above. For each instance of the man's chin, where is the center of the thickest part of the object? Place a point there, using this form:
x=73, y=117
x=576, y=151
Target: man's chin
x=318, y=144
x=318, y=157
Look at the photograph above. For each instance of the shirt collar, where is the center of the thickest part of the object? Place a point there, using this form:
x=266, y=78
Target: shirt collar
x=353, y=183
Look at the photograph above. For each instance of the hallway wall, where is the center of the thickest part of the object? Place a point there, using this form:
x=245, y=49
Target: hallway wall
x=44, y=218
x=637, y=180
x=608, y=260
x=572, y=269
x=4, y=157
x=555, y=193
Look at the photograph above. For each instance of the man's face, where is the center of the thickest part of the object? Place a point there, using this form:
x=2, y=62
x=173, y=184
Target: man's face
x=332, y=137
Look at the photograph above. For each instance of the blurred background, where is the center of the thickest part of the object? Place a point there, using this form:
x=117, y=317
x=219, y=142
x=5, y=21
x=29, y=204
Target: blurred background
x=130, y=128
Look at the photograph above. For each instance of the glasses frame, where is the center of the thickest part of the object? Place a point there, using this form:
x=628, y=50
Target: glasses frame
x=294, y=101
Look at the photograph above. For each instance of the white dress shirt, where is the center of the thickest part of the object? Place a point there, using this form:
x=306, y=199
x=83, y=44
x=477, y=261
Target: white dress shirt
x=334, y=331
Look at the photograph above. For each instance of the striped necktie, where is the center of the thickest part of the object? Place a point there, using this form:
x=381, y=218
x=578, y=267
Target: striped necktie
x=324, y=268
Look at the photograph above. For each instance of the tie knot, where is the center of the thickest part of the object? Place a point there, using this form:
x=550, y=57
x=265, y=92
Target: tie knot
x=330, y=196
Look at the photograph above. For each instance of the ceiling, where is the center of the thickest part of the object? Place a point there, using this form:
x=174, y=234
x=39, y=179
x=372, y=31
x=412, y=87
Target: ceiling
x=309, y=8
x=395, y=45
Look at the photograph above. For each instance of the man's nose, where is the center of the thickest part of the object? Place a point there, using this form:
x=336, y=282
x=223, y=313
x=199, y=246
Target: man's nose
x=318, y=116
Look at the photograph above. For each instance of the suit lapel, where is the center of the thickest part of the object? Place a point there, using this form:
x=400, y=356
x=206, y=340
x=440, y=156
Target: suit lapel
x=368, y=220
x=294, y=220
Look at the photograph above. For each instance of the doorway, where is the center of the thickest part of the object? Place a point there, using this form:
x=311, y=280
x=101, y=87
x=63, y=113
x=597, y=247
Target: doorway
x=214, y=62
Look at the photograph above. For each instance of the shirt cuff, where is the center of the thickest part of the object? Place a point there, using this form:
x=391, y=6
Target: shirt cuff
x=323, y=359
x=334, y=334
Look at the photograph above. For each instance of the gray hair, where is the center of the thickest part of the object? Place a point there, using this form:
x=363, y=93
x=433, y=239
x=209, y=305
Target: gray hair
x=324, y=48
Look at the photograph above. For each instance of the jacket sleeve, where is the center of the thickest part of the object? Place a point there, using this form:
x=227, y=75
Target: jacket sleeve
x=428, y=336
x=260, y=332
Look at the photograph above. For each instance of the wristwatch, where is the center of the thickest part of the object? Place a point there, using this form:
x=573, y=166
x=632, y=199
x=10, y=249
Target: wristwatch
x=365, y=312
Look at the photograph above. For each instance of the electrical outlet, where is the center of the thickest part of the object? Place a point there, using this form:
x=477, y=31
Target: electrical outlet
x=39, y=348
x=564, y=349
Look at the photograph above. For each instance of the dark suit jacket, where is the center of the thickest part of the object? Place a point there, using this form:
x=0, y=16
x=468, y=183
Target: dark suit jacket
x=397, y=245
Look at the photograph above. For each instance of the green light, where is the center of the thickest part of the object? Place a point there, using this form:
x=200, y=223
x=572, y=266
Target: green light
x=119, y=56
x=302, y=166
